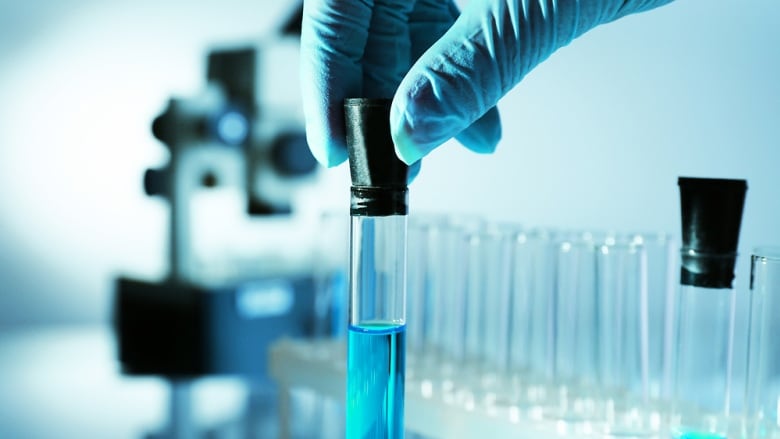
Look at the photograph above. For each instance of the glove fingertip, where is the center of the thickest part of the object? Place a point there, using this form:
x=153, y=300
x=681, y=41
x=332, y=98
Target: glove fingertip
x=414, y=171
x=405, y=147
x=336, y=156
x=326, y=153
x=407, y=150
x=483, y=135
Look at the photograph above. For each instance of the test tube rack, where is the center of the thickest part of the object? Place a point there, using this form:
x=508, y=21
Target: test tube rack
x=320, y=366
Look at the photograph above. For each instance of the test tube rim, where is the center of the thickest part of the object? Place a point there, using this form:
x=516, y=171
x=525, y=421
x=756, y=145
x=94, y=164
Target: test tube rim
x=767, y=253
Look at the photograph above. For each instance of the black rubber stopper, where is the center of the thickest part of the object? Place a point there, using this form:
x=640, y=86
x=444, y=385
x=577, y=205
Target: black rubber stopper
x=711, y=218
x=379, y=177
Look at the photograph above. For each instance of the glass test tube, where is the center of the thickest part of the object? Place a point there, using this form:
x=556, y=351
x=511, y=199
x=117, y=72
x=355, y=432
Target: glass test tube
x=576, y=329
x=622, y=284
x=488, y=306
x=621, y=278
x=520, y=299
x=704, y=318
x=531, y=320
x=497, y=259
x=436, y=299
x=474, y=299
x=416, y=274
x=540, y=283
x=434, y=292
x=711, y=217
x=423, y=292
x=375, y=364
x=661, y=250
x=376, y=342
x=576, y=334
x=763, y=377
x=452, y=277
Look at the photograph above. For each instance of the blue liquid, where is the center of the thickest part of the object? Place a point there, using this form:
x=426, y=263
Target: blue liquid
x=376, y=356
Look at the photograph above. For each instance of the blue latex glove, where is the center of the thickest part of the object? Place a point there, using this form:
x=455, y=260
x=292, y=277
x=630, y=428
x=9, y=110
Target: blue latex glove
x=445, y=71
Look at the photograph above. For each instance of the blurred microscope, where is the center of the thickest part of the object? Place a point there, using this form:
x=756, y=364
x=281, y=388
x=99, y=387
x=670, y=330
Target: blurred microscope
x=241, y=240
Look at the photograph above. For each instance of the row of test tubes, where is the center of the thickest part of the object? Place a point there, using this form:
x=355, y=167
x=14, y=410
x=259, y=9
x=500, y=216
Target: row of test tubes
x=578, y=333
x=566, y=327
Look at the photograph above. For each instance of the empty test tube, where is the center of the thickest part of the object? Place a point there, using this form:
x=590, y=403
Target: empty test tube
x=763, y=376
x=661, y=252
x=424, y=278
x=622, y=288
x=416, y=289
x=576, y=328
x=539, y=281
x=621, y=281
x=498, y=241
x=453, y=276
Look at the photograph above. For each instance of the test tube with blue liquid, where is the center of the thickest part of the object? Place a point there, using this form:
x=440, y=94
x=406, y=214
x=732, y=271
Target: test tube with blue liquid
x=711, y=218
x=376, y=346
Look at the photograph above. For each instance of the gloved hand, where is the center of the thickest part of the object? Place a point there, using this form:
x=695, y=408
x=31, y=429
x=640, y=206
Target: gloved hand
x=445, y=72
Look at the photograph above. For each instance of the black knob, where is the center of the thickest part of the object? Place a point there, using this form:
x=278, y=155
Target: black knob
x=161, y=128
x=175, y=126
x=156, y=182
x=291, y=156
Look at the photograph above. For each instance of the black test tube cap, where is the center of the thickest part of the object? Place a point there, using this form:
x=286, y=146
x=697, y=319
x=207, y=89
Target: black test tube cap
x=711, y=218
x=379, y=177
